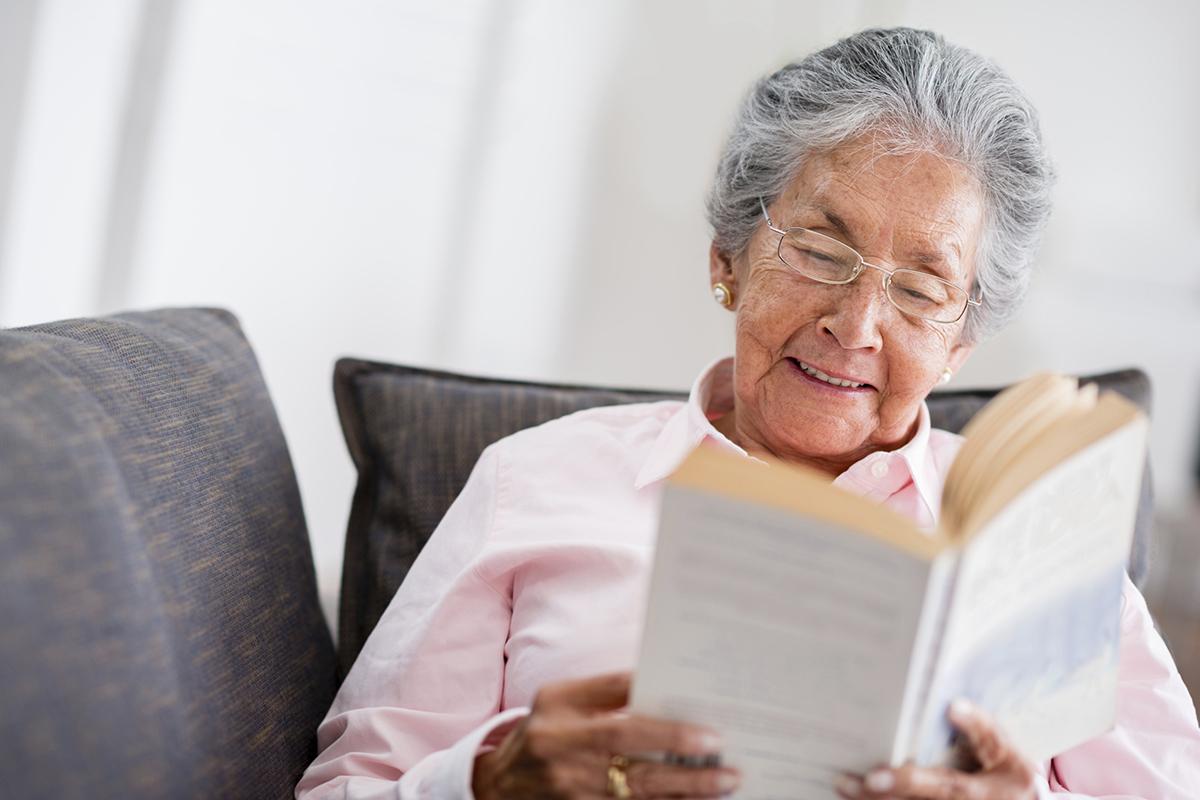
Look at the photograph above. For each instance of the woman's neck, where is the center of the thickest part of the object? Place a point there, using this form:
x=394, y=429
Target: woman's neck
x=833, y=467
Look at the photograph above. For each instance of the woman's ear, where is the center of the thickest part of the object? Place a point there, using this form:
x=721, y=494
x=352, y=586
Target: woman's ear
x=958, y=356
x=720, y=269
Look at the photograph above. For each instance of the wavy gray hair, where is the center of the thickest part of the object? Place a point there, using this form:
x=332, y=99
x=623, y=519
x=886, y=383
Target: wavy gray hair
x=921, y=93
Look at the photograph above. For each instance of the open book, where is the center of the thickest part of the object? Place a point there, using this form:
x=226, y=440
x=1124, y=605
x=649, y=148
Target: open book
x=822, y=633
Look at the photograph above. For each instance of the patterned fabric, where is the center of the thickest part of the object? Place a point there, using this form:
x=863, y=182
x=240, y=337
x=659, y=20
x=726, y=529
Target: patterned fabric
x=162, y=635
x=415, y=434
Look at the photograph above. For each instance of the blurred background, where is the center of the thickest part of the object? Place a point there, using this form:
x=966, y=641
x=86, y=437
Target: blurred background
x=515, y=188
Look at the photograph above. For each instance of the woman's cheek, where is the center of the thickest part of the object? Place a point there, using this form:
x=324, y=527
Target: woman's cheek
x=757, y=326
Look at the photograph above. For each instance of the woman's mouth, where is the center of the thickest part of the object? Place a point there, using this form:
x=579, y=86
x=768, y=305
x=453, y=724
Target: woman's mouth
x=817, y=376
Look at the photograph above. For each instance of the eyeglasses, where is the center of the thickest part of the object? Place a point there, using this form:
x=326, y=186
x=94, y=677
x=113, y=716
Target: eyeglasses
x=826, y=260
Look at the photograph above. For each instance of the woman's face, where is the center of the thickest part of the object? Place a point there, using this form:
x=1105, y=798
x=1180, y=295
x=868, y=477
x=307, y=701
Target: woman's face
x=919, y=211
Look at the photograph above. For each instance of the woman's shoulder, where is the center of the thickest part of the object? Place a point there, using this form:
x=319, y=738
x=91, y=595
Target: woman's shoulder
x=603, y=436
x=620, y=426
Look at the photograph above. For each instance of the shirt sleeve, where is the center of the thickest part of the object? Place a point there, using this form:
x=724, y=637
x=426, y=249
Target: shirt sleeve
x=1153, y=751
x=423, y=697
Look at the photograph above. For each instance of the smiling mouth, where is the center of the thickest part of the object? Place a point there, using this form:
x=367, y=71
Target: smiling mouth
x=817, y=375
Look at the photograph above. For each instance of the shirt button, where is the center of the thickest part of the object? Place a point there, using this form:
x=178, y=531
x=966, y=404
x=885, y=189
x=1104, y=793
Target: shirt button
x=880, y=468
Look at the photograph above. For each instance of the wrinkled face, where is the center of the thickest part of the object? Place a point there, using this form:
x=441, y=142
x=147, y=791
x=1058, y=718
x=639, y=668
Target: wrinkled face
x=919, y=211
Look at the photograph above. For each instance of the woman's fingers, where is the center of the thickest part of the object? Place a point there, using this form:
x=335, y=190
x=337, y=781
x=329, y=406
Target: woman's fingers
x=651, y=779
x=573, y=716
x=1004, y=773
x=634, y=733
x=576, y=760
x=566, y=745
x=925, y=783
x=600, y=693
x=990, y=745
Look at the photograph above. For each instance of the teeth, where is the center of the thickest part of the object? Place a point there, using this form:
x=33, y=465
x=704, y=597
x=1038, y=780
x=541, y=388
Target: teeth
x=816, y=373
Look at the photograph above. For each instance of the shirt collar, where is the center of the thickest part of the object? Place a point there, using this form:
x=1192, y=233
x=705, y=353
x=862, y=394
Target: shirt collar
x=918, y=454
x=883, y=473
x=712, y=396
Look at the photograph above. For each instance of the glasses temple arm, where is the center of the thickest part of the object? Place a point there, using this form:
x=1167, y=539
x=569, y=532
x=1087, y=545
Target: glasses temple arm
x=767, y=217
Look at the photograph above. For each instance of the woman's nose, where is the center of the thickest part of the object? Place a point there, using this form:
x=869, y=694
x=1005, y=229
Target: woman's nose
x=856, y=317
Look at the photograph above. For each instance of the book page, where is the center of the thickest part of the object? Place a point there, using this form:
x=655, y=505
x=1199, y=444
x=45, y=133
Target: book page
x=790, y=635
x=1033, y=628
x=996, y=436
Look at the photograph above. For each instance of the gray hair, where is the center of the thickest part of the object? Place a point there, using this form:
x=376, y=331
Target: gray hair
x=921, y=93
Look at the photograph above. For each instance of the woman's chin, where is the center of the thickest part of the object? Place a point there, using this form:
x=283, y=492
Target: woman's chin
x=799, y=433
x=818, y=418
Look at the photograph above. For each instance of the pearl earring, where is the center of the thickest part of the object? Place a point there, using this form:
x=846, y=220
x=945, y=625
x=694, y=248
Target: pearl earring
x=722, y=294
x=947, y=375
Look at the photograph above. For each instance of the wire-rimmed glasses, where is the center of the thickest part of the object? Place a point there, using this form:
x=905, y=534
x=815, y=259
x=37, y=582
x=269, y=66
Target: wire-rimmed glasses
x=826, y=260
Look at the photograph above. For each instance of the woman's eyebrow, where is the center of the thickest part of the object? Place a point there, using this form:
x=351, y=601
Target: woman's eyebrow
x=837, y=223
x=935, y=263
x=933, y=260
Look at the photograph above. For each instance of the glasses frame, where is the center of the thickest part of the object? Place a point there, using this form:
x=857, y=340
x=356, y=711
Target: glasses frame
x=860, y=268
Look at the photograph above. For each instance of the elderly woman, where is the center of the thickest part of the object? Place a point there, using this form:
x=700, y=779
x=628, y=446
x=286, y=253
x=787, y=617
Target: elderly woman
x=875, y=215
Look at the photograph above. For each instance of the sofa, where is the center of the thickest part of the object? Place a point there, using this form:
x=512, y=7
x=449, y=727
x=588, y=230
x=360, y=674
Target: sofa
x=162, y=635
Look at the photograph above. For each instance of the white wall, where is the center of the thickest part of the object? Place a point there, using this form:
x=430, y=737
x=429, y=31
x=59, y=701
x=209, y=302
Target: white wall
x=515, y=187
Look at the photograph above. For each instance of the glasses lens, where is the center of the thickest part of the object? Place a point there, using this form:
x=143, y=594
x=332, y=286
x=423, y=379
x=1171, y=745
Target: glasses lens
x=818, y=257
x=923, y=295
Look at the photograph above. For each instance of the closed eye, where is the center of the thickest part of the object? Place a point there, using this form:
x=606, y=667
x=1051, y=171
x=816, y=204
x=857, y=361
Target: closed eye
x=913, y=293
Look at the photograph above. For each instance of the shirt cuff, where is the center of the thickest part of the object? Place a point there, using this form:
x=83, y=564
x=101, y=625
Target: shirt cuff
x=449, y=772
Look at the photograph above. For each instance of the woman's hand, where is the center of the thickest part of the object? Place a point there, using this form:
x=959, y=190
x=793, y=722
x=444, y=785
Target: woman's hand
x=563, y=749
x=1004, y=773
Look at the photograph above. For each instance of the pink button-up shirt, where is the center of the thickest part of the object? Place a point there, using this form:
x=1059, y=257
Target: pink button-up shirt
x=539, y=571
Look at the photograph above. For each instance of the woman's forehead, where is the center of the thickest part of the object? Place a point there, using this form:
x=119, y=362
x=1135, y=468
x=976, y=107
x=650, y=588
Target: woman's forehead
x=859, y=185
x=926, y=208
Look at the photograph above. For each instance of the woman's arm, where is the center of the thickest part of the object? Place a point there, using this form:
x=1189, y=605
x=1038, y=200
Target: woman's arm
x=425, y=692
x=419, y=714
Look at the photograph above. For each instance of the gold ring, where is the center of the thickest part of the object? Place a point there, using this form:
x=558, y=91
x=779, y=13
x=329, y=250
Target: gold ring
x=618, y=782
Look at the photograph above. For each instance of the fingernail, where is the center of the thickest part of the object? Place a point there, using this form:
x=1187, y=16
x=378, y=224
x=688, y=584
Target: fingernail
x=848, y=784
x=710, y=742
x=727, y=782
x=880, y=780
x=962, y=708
